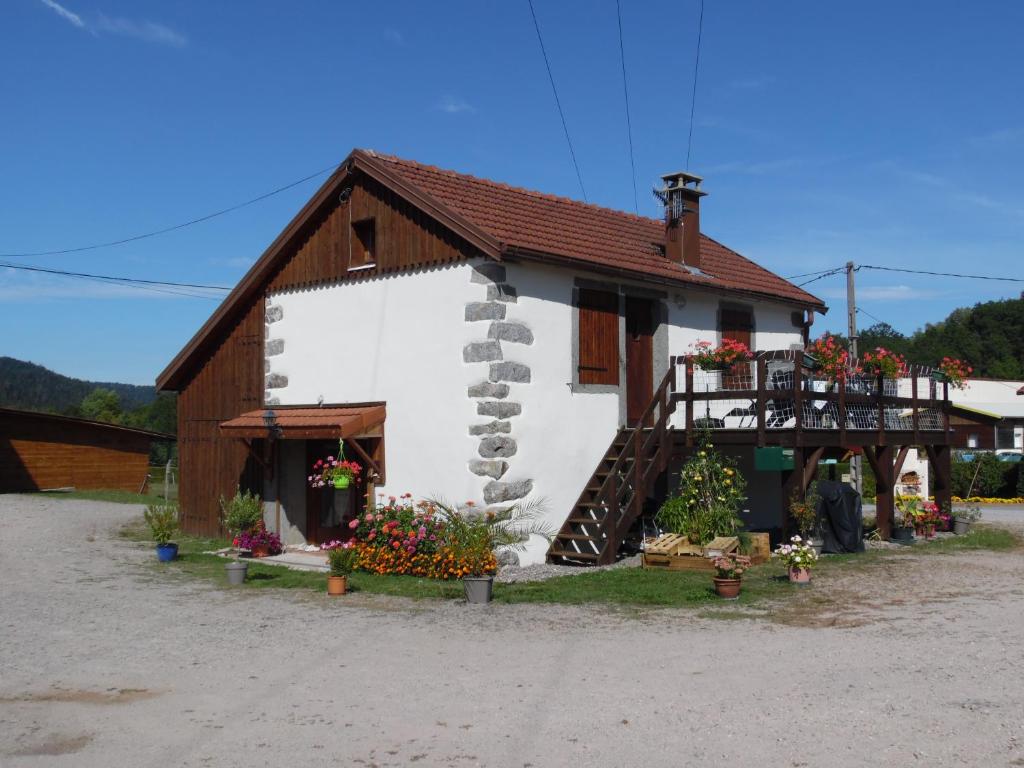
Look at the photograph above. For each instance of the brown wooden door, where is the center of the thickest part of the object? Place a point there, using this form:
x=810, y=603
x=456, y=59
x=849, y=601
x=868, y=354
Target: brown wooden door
x=639, y=358
x=738, y=324
x=329, y=510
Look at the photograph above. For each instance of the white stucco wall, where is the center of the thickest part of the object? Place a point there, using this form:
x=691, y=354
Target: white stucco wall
x=400, y=339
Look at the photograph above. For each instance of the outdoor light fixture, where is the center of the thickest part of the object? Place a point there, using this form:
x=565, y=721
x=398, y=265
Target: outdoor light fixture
x=270, y=422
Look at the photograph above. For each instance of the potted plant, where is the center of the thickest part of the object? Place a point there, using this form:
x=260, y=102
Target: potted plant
x=805, y=515
x=964, y=518
x=728, y=575
x=883, y=362
x=720, y=358
x=903, y=532
x=953, y=371
x=832, y=359
x=163, y=524
x=334, y=472
x=799, y=558
x=342, y=559
x=240, y=515
x=709, y=498
x=259, y=541
x=473, y=537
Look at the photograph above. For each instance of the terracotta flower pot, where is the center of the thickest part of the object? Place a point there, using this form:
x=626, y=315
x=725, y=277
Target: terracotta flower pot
x=337, y=585
x=929, y=531
x=727, y=589
x=800, y=575
x=260, y=550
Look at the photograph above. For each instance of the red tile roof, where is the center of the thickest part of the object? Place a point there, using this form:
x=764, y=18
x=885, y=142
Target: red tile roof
x=538, y=222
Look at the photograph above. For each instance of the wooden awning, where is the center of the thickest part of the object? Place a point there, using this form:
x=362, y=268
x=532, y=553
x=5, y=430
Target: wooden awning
x=310, y=423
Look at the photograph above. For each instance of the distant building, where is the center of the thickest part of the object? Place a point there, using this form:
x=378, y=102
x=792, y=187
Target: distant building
x=988, y=414
x=40, y=451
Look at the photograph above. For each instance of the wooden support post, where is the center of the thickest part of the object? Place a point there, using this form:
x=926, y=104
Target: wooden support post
x=792, y=484
x=885, y=502
x=881, y=409
x=798, y=402
x=941, y=459
x=761, y=373
x=811, y=469
x=914, y=371
x=842, y=411
x=689, y=401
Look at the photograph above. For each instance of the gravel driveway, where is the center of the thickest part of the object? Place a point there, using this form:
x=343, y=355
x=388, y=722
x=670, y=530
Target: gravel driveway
x=105, y=663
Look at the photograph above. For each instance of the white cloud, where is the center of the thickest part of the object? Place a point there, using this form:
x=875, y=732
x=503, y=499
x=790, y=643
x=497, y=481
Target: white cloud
x=453, y=105
x=149, y=31
x=997, y=138
x=882, y=293
x=64, y=13
x=755, y=168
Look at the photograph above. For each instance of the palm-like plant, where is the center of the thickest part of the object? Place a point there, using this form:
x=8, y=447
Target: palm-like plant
x=478, y=534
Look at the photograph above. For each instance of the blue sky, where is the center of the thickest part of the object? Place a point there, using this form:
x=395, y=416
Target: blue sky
x=886, y=133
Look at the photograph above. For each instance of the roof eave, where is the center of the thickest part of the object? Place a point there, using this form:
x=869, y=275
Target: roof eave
x=544, y=256
x=172, y=377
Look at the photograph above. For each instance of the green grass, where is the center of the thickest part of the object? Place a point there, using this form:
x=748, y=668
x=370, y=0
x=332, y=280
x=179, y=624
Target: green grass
x=115, y=496
x=624, y=587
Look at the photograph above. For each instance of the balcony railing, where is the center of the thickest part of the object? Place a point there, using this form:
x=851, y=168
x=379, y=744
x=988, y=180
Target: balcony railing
x=777, y=391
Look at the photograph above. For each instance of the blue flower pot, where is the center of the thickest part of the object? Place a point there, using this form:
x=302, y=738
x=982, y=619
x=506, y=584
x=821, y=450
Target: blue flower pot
x=166, y=552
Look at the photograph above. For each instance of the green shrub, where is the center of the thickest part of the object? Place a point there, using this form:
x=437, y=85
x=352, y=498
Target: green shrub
x=163, y=522
x=242, y=512
x=710, y=496
x=985, y=475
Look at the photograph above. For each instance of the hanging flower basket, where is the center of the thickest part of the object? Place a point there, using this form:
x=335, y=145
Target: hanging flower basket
x=334, y=472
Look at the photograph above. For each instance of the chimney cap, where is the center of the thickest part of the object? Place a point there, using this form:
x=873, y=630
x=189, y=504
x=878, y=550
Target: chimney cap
x=681, y=180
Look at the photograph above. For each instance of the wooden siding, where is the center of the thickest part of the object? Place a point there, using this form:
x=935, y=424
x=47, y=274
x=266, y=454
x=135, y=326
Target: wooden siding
x=963, y=428
x=404, y=238
x=599, y=337
x=228, y=383
x=39, y=452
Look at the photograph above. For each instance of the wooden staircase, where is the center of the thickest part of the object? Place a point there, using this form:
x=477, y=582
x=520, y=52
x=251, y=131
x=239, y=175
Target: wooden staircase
x=615, y=494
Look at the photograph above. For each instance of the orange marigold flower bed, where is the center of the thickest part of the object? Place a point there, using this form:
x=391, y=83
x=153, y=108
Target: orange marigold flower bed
x=443, y=564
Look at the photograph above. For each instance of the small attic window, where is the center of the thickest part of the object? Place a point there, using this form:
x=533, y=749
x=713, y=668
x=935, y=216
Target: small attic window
x=364, y=244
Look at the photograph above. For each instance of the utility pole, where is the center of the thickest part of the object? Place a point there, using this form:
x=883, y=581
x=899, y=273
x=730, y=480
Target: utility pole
x=856, y=466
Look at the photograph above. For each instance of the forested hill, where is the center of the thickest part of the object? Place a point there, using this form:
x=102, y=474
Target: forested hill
x=989, y=337
x=35, y=388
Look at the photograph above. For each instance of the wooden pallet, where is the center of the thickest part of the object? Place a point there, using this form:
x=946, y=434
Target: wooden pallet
x=673, y=552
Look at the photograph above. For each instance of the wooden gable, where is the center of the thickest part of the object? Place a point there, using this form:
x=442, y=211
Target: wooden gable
x=404, y=237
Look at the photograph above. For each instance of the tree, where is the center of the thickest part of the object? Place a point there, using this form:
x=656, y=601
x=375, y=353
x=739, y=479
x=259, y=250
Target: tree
x=102, y=405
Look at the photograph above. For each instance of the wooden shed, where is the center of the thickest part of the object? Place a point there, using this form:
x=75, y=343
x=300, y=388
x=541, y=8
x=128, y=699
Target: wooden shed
x=42, y=450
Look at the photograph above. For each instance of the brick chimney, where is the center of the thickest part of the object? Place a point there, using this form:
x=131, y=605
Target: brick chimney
x=681, y=197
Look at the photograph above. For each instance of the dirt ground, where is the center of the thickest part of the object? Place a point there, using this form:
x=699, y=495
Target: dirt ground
x=105, y=663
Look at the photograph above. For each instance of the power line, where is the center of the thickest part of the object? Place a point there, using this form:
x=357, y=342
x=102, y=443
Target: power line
x=808, y=274
x=696, y=69
x=156, y=286
x=944, y=274
x=873, y=317
x=31, y=268
x=558, y=103
x=823, y=274
x=165, y=230
x=625, y=91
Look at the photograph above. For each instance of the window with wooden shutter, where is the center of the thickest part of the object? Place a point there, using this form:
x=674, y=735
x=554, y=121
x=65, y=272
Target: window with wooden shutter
x=738, y=325
x=364, y=244
x=599, y=337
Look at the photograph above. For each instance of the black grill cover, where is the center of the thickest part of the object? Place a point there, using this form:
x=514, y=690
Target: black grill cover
x=840, y=518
